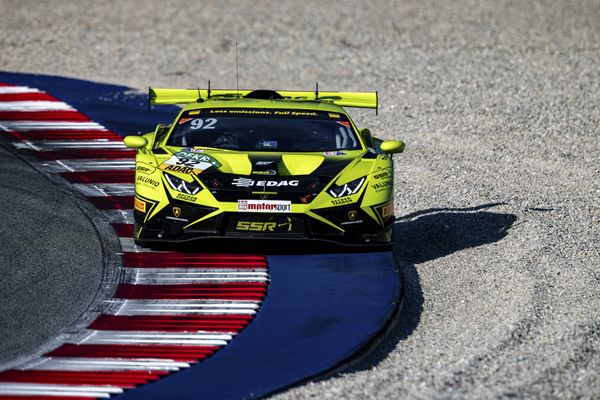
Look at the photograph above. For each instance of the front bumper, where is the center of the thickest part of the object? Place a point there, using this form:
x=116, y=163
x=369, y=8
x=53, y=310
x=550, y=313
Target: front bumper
x=174, y=224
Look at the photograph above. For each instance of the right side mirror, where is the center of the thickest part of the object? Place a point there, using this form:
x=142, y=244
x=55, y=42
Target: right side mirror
x=392, y=146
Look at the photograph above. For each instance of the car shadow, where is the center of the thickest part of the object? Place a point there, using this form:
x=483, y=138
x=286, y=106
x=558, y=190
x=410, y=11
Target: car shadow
x=420, y=237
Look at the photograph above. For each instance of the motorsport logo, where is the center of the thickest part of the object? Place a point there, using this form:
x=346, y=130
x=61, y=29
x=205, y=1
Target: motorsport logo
x=246, y=182
x=278, y=206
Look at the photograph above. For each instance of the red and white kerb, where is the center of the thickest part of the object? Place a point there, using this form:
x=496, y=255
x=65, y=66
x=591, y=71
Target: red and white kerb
x=170, y=310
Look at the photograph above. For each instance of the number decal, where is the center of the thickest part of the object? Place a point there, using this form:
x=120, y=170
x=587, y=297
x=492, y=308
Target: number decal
x=198, y=123
x=210, y=123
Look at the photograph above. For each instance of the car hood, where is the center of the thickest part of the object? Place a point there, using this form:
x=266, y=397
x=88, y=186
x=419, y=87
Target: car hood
x=209, y=161
x=231, y=175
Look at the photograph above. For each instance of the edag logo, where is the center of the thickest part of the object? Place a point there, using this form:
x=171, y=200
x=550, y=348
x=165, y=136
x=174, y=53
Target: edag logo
x=246, y=182
x=280, y=206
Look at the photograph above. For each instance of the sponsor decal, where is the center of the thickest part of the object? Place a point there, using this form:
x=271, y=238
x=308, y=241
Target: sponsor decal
x=144, y=180
x=177, y=168
x=264, y=162
x=345, y=123
x=360, y=221
x=247, y=182
x=176, y=211
x=270, y=226
x=177, y=219
x=184, y=120
x=267, y=172
x=197, y=150
x=333, y=115
x=193, y=162
x=139, y=205
x=334, y=153
x=268, y=206
x=186, y=197
x=296, y=113
x=381, y=186
x=352, y=215
x=381, y=175
x=272, y=144
x=264, y=192
x=343, y=200
x=195, y=112
x=144, y=170
x=200, y=158
x=387, y=210
x=240, y=111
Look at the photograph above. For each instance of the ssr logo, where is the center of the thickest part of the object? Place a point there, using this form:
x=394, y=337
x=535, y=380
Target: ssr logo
x=270, y=226
x=256, y=226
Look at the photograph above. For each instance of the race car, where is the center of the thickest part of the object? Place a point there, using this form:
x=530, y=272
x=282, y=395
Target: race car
x=263, y=164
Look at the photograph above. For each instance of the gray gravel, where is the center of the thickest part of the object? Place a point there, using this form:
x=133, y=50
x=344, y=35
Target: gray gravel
x=498, y=103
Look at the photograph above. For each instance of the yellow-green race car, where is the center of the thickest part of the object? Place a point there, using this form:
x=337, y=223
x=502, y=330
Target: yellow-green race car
x=263, y=164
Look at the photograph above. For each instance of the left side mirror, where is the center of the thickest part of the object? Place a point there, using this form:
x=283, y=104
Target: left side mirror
x=135, y=142
x=392, y=146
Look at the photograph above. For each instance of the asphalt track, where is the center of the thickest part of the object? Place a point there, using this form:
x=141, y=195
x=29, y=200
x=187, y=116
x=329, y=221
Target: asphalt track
x=49, y=282
x=498, y=188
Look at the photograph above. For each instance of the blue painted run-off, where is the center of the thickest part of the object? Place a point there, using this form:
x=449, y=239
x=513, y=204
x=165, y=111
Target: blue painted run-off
x=319, y=310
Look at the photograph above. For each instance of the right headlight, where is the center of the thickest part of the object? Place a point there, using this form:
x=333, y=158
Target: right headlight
x=182, y=186
x=346, y=190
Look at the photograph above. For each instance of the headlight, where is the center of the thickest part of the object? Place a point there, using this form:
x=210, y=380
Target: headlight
x=182, y=186
x=347, y=189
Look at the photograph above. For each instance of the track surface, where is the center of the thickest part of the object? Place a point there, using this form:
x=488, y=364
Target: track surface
x=58, y=275
x=498, y=103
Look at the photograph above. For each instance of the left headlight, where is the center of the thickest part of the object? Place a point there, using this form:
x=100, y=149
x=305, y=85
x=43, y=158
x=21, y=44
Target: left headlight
x=347, y=189
x=182, y=186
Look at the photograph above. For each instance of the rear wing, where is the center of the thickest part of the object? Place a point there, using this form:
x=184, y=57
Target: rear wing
x=161, y=96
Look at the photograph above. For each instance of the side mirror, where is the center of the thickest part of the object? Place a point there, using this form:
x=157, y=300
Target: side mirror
x=392, y=146
x=135, y=142
x=365, y=133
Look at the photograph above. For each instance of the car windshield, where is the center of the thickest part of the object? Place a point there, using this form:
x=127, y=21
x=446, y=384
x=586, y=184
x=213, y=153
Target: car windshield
x=264, y=130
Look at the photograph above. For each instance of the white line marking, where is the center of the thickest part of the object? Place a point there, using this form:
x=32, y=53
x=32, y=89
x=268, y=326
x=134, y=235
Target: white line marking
x=42, y=145
x=181, y=307
x=46, y=125
x=153, y=337
x=105, y=189
x=34, y=106
x=158, y=276
x=17, y=89
x=92, y=165
x=104, y=364
x=7, y=388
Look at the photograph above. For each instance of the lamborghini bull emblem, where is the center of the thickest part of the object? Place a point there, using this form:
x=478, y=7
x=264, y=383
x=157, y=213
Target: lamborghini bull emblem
x=352, y=215
x=176, y=211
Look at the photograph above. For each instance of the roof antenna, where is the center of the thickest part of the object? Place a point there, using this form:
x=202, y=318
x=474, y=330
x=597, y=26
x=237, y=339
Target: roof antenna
x=208, y=89
x=199, y=96
x=237, y=80
x=317, y=91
